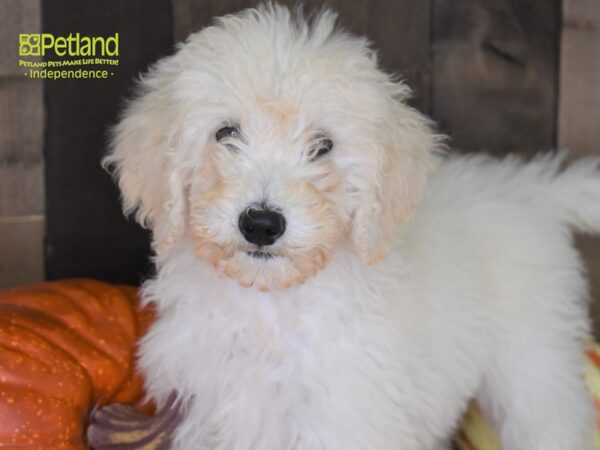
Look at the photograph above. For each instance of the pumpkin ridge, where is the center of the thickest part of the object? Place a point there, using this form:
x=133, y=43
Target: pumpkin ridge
x=19, y=354
x=126, y=338
x=41, y=362
x=119, y=294
x=58, y=336
x=99, y=301
x=61, y=324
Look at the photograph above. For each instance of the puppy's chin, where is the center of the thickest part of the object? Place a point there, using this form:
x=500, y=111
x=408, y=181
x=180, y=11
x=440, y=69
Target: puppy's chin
x=263, y=270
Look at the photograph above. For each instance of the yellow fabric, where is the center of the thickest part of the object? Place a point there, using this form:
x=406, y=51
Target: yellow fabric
x=477, y=434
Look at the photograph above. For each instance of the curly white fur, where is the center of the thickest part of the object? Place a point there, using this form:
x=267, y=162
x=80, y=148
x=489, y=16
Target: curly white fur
x=406, y=282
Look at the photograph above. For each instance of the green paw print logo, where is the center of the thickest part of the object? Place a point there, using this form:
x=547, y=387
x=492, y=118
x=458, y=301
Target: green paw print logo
x=29, y=45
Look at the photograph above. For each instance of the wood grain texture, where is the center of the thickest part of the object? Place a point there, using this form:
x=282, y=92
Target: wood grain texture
x=590, y=250
x=494, y=73
x=398, y=29
x=21, y=250
x=579, y=108
x=21, y=142
x=87, y=234
x=579, y=112
x=16, y=16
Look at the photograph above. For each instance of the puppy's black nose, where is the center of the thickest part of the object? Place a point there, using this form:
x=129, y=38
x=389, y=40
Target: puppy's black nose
x=261, y=226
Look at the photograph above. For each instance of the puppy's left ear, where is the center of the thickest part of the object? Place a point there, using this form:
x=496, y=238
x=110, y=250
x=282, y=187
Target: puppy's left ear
x=145, y=158
x=393, y=180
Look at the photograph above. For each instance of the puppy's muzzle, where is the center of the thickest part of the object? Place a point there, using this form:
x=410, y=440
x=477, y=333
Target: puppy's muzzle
x=262, y=226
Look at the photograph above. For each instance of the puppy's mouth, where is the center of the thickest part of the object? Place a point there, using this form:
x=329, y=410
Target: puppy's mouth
x=260, y=254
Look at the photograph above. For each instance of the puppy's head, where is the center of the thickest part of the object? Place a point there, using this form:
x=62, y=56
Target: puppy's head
x=269, y=141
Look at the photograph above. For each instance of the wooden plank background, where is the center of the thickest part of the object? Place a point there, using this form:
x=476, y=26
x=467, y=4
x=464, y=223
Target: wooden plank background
x=500, y=76
x=21, y=161
x=494, y=69
x=579, y=107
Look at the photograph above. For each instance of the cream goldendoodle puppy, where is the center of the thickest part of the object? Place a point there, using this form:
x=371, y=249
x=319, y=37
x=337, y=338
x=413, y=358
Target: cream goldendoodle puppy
x=326, y=278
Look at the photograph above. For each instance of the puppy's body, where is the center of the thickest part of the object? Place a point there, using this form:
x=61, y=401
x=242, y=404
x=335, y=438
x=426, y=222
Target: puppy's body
x=482, y=297
x=327, y=281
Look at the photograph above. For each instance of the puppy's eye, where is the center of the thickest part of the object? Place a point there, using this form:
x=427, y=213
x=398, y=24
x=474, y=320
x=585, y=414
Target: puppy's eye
x=227, y=132
x=322, y=147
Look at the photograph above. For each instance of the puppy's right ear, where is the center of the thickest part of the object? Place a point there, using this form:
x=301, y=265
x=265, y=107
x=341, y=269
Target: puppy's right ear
x=142, y=157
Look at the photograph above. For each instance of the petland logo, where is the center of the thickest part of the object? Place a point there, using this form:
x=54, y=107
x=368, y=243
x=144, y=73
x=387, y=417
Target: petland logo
x=61, y=53
x=71, y=45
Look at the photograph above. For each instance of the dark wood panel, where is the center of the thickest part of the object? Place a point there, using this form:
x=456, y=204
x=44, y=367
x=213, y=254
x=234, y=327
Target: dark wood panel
x=86, y=232
x=21, y=244
x=399, y=29
x=21, y=141
x=579, y=111
x=579, y=108
x=495, y=73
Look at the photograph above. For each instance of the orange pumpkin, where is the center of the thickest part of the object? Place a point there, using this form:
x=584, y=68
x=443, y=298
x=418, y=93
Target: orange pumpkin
x=65, y=348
